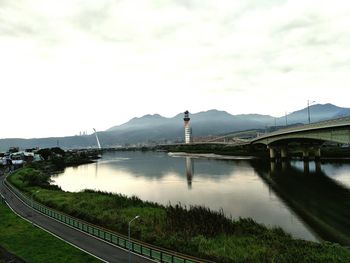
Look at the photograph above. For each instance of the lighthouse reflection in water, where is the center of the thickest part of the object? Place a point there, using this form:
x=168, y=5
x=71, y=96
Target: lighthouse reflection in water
x=189, y=172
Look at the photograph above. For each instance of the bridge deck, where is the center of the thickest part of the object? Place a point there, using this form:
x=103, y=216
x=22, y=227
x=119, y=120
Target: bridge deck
x=339, y=122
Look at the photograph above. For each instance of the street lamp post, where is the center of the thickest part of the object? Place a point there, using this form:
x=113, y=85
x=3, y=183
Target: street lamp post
x=136, y=217
x=308, y=109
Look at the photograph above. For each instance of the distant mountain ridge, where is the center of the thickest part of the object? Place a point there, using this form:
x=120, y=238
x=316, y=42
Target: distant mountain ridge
x=201, y=120
x=158, y=129
x=318, y=112
x=217, y=122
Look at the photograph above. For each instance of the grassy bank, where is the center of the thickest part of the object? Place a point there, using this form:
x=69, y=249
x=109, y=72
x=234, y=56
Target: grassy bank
x=33, y=244
x=195, y=231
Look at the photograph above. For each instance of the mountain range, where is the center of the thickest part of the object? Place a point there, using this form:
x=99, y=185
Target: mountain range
x=158, y=129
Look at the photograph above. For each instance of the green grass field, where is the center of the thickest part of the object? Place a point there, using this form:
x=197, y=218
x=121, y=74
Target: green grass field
x=32, y=244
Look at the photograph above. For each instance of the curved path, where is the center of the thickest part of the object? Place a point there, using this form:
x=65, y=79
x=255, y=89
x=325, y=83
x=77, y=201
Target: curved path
x=95, y=247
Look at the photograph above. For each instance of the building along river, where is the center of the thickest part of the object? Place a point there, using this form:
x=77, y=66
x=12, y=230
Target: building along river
x=311, y=204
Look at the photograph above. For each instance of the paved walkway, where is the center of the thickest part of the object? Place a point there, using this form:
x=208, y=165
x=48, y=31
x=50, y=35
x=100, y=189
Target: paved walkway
x=106, y=252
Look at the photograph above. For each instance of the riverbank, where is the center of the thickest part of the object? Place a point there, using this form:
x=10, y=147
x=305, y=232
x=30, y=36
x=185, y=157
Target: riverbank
x=328, y=152
x=196, y=230
x=218, y=149
x=209, y=156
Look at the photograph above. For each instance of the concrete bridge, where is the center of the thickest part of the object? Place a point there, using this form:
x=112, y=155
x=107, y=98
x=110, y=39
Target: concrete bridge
x=307, y=139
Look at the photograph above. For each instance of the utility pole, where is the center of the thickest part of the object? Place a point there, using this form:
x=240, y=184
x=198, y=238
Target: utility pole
x=308, y=109
x=286, y=118
x=136, y=217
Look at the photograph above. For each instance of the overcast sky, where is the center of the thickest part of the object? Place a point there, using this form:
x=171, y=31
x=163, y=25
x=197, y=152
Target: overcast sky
x=73, y=65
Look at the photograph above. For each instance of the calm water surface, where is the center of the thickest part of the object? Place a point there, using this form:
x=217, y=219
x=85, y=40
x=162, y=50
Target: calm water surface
x=236, y=186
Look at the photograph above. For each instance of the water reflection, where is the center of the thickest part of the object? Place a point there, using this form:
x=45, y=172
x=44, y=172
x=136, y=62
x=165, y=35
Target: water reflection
x=340, y=172
x=321, y=202
x=240, y=188
x=96, y=169
x=189, y=172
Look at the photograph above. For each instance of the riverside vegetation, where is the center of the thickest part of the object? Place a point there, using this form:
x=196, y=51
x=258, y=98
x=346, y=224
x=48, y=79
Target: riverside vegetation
x=196, y=230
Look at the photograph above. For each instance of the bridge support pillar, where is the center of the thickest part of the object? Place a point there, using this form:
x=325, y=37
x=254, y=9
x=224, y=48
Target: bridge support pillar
x=272, y=167
x=306, y=154
x=285, y=165
x=318, y=166
x=272, y=153
x=284, y=153
x=318, y=153
x=306, y=167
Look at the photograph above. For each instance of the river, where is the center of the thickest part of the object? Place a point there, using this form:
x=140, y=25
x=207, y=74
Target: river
x=275, y=195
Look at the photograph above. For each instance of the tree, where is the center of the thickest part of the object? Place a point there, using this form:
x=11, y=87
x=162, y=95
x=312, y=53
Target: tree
x=34, y=177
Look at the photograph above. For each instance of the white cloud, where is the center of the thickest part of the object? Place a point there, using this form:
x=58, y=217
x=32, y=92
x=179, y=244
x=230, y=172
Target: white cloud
x=101, y=62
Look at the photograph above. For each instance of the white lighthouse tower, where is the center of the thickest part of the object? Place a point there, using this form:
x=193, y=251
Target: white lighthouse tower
x=188, y=130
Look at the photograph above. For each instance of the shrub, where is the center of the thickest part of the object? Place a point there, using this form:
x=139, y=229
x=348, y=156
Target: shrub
x=32, y=177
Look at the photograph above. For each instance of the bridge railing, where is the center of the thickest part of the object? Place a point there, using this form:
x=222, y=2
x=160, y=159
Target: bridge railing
x=317, y=125
x=119, y=240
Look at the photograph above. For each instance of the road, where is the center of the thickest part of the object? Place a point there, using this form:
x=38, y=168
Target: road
x=102, y=250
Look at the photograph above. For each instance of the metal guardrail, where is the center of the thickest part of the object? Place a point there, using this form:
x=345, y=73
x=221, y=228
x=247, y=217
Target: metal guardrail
x=119, y=240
